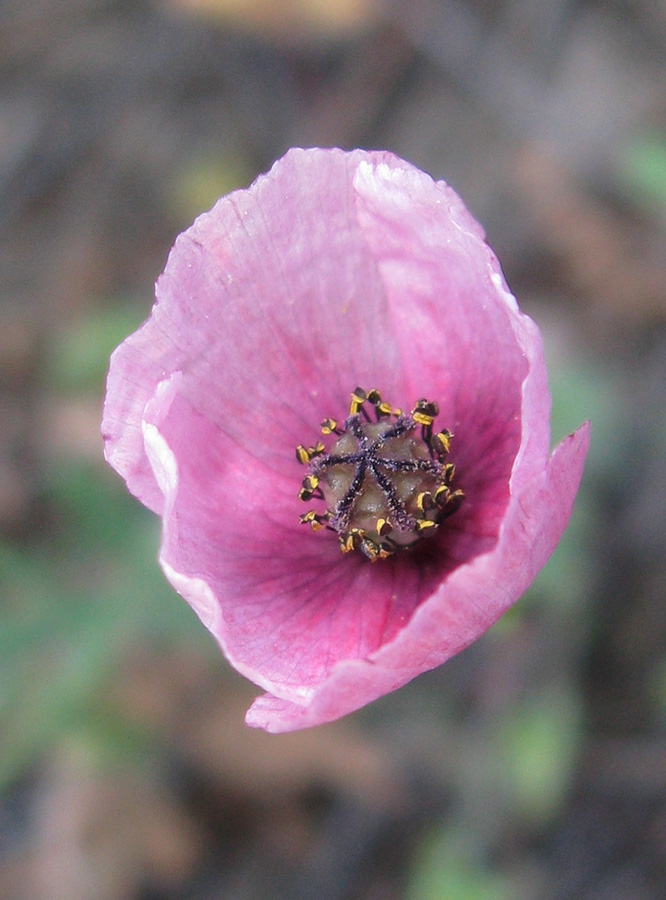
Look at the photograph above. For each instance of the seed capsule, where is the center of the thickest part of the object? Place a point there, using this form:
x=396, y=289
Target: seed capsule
x=384, y=483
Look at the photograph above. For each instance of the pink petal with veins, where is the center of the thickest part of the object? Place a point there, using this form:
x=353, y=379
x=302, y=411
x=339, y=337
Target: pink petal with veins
x=335, y=270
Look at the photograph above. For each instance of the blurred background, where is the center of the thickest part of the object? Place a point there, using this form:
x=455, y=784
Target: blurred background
x=534, y=764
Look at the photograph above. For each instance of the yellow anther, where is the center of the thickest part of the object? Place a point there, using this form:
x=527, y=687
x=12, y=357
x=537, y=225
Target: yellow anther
x=328, y=426
x=441, y=495
x=422, y=418
x=424, y=501
x=358, y=398
x=309, y=485
x=305, y=454
x=347, y=541
x=382, y=527
x=426, y=527
x=455, y=499
x=370, y=548
x=424, y=412
x=313, y=520
x=441, y=442
x=310, y=482
x=384, y=409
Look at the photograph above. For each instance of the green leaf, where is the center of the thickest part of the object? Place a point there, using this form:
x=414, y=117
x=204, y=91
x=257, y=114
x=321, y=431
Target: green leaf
x=447, y=867
x=79, y=354
x=643, y=170
x=537, y=748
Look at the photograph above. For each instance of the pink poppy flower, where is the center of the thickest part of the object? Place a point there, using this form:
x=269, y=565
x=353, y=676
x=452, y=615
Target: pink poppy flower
x=337, y=271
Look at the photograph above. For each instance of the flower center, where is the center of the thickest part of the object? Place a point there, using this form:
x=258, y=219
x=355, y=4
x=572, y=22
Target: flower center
x=384, y=482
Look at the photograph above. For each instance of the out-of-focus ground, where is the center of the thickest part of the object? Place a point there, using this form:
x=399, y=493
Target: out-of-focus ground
x=534, y=764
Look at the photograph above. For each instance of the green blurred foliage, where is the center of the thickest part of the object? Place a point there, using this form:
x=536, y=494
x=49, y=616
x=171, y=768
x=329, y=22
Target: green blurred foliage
x=88, y=588
x=448, y=868
x=73, y=608
x=536, y=749
x=643, y=171
x=204, y=180
x=78, y=356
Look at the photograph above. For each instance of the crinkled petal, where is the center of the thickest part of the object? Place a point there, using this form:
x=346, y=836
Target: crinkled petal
x=274, y=594
x=272, y=308
x=334, y=270
x=464, y=607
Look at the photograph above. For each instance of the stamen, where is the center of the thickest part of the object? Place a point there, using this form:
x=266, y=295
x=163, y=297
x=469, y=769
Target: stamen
x=304, y=455
x=385, y=483
x=382, y=409
x=315, y=521
x=358, y=398
x=441, y=443
x=330, y=426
